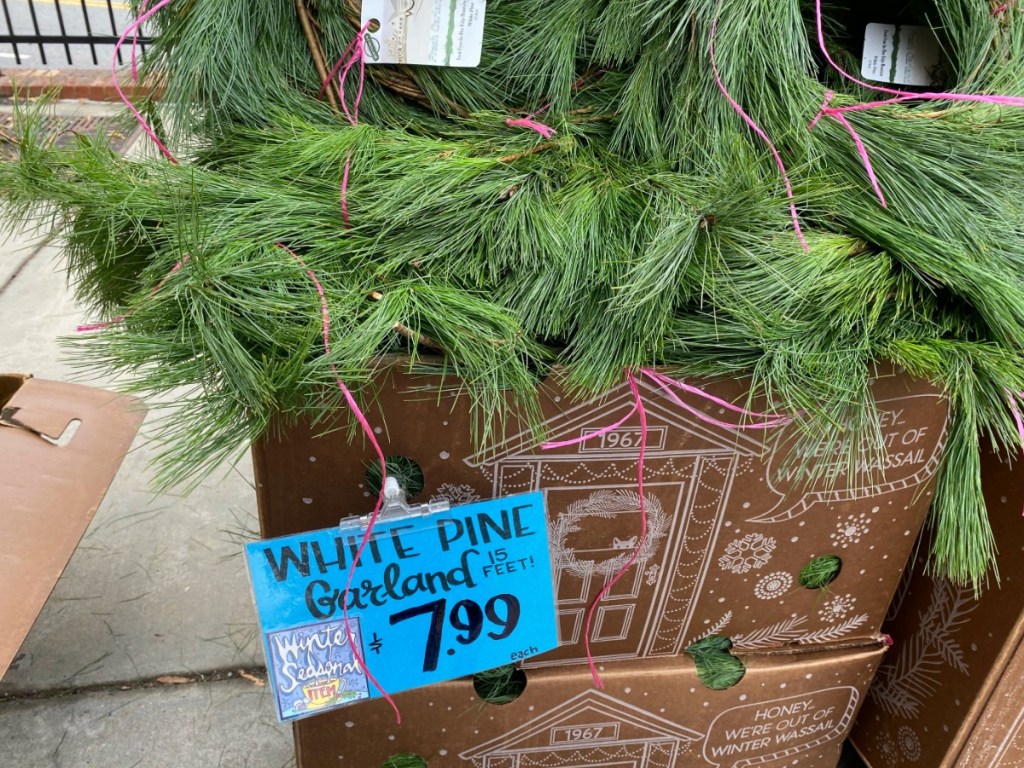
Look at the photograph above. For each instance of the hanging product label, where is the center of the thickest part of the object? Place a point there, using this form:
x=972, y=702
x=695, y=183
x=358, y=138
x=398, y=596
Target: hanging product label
x=440, y=33
x=901, y=54
x=436, y=595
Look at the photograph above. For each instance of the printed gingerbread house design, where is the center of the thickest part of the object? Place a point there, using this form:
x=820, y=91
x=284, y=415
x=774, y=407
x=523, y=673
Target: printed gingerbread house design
x=590, y=730
x=593, y=507
x=718, y=500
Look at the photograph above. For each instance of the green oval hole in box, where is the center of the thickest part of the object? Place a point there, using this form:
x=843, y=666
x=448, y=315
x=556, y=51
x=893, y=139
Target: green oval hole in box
x=821, y=571
x=501, y=685
x=717, y=668
x=405, y=760
x=407, y=472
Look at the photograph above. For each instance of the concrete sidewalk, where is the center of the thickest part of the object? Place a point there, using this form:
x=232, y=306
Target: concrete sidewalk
x=147, y=652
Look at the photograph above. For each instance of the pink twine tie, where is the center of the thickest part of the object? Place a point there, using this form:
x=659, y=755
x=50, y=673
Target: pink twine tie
x=837, y=113
x=354, y=54
x=121, y=318
x=530, y=124
x=899, y=96
x=132, y=29
x=770, y=420
x=764, y=137
x=638, y=407
x=368, y=431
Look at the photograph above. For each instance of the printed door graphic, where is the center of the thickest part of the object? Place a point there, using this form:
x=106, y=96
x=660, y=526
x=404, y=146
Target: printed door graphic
x=590, y=730
x=689, y=471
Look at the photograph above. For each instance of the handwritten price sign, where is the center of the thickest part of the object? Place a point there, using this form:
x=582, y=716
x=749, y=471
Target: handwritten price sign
x=434, y=597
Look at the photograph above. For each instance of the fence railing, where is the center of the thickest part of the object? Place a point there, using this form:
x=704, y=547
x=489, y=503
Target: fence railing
x=74, y=33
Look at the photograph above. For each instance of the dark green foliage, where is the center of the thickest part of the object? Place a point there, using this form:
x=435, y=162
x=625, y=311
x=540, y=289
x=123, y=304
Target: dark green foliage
x=501, y=685
x=652, y=229
x=820, y=572
x=716, y=667
x=405, y=760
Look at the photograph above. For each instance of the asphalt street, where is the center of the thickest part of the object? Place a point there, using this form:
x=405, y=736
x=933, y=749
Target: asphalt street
x=60, y=18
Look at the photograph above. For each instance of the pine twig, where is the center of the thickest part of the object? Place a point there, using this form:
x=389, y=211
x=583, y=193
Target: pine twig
x=403, y=330
x=317, y=52
x=526, y=153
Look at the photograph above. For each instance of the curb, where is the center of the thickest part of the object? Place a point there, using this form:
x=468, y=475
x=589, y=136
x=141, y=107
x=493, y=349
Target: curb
x=87, y=84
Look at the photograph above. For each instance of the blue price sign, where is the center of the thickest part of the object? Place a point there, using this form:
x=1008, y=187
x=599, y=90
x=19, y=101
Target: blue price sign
x=434, y=597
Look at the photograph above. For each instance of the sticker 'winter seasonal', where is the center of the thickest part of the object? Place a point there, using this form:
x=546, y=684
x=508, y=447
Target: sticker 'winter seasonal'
x=315, y=668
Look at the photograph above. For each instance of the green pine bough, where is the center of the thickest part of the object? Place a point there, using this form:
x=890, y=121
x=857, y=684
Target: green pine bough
x=651, y=229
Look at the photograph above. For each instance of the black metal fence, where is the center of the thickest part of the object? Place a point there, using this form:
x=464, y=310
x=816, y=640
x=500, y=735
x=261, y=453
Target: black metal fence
x=74, y=33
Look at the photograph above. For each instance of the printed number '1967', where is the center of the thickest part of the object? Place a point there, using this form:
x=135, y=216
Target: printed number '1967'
x=597, y=732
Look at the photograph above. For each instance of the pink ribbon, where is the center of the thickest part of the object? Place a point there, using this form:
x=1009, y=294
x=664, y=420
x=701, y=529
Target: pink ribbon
x=899, y=96
x=530, y=124
x=354, y=54
x=132, y=29
x=764, y=137
x=666, y=383
x=840, y=118
x=368, y=431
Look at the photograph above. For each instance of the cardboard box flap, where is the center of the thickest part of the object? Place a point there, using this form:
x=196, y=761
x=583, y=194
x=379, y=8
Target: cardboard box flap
x=60, y=447
x=952, y=692
x=792, y=710
x=41, y=410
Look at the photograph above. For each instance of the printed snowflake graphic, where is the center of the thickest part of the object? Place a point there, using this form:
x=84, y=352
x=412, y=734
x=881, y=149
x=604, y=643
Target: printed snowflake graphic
x=837, y=607
x=752, y=551
x=851, y=530
x=774, y=585
x=455, y=494
x=910, y=745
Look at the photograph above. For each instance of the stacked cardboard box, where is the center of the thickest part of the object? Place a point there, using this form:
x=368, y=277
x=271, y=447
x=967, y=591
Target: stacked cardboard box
x=952, y=692
x=60, y=447
x=732, y=526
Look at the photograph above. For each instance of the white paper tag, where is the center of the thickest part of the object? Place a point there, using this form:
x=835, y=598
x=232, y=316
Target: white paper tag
x=902, y=54
x=439, y=33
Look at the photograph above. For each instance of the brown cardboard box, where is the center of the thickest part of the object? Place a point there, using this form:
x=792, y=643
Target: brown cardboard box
x=790, y=709
x=729, y=534
x=60, y=447
x=951, y=692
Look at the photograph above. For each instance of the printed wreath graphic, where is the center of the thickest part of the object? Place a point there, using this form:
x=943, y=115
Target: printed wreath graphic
x=606, y=504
